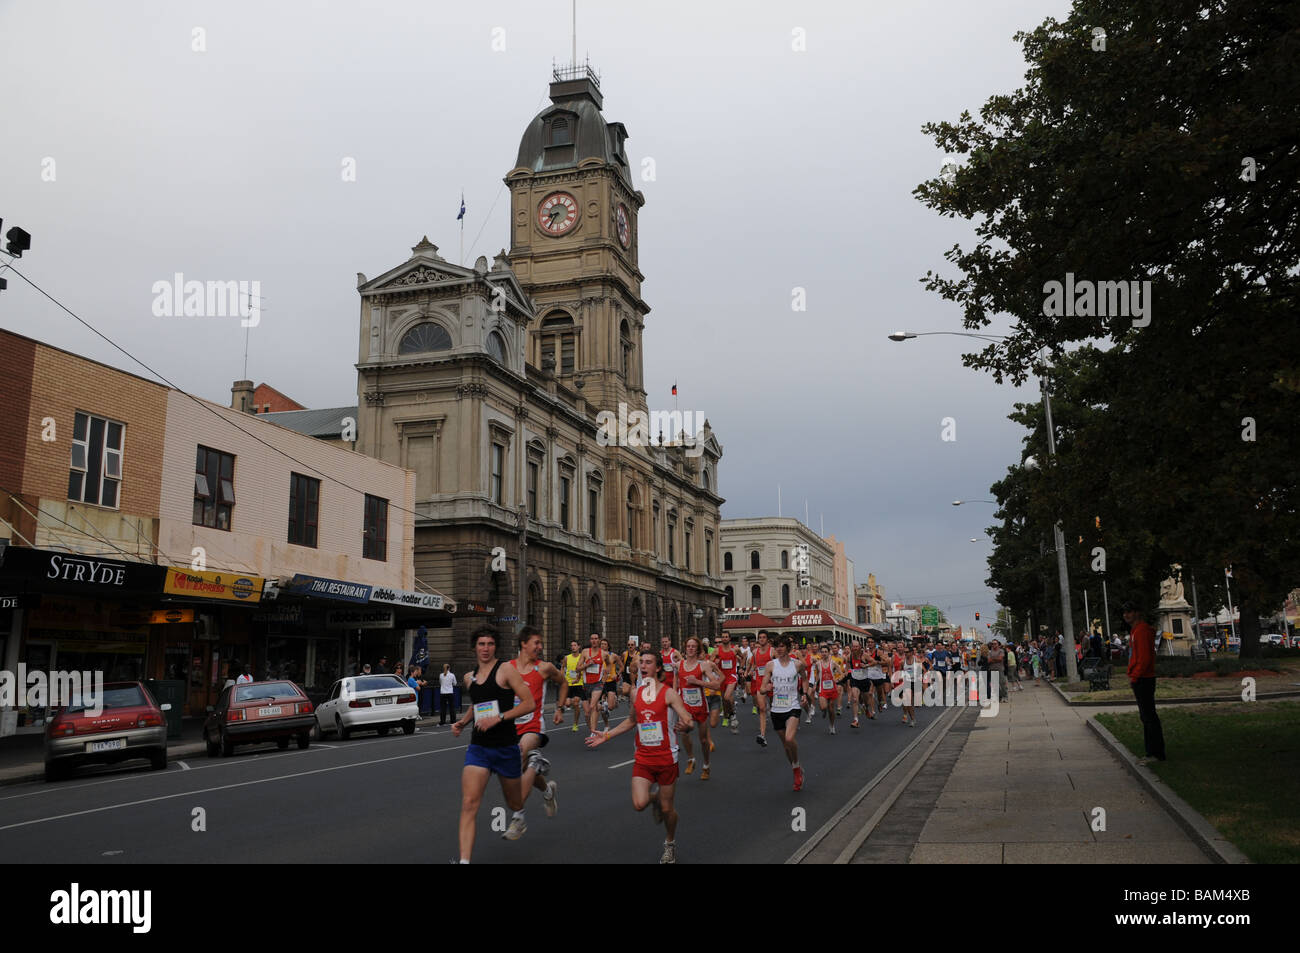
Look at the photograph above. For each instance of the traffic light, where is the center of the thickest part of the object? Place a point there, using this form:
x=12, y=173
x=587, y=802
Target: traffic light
x=977, y=617
x=18, y=241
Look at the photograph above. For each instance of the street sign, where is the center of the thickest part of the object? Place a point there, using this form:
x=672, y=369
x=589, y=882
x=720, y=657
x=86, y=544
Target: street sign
x=929, y=615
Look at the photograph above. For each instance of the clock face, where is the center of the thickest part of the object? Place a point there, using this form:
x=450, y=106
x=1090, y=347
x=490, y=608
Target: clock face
x=558, y=213
x=624, y=227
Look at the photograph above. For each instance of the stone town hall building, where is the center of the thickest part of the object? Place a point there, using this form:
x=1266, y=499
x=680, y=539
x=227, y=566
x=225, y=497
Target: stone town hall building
x=487, y=380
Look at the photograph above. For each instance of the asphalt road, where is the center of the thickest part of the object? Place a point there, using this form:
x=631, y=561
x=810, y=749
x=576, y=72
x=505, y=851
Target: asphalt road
x=374, y=800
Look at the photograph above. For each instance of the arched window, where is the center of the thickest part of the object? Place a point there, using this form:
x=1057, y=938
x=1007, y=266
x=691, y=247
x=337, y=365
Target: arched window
x=595, y=613
x=674, y=626
x=566, y=618
x=785, y=559
x=636, y=620
x=423, y=338
x=534, y=605
x=753, y=559
x=559, y=342
x=625, y=339
x=704, y=479
x=561, y=134
x=785, y=597
x=633, y=510
x=726, y=562
x=729, y=598
x=756, y=596
x=496, y=346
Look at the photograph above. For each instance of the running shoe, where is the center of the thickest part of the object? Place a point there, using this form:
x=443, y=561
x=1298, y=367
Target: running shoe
x=690, y=765
x=575, y=726
x=704, y=773
x=735, y=727
x=798, y=779
x=516, y=829
x=762, y=742
x=753, y=710
x=854, y=724
x=726, y=722
x=549, y=798
x=670, y=854
x=832, y=729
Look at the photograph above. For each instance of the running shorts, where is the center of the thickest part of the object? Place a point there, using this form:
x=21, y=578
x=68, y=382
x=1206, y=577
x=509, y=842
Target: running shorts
x=502, y=760
x=545, y=739
x=660, y=774
x=780, y=718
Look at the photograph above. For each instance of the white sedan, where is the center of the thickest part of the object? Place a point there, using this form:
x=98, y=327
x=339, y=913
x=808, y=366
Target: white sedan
x=368, y=703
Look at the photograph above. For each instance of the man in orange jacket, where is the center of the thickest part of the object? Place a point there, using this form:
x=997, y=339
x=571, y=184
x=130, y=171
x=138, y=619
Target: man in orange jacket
x=1142, y=676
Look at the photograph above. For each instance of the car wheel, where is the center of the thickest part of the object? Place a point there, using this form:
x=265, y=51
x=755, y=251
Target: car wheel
x=342, y=729
x=159, y=760
x=408, y=727
x=383, y=731
x=227, y=746
x=316, y=733
x=282, y=743
x=53, y=772
x=214, y=749
x=304, y=741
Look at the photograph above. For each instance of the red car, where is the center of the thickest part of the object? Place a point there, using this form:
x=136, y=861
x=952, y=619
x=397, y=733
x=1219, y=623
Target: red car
x=129, y=724
x=258, y=711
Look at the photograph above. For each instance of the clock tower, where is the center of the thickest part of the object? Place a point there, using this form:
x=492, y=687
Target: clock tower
x=573, y=244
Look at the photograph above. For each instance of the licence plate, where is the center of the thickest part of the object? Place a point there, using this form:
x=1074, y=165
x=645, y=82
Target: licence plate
x=270, y=712
x=114, y=745
x=383, y=701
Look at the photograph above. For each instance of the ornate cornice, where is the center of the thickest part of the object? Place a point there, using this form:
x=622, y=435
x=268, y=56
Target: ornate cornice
x=374, y=398
x=471, y=390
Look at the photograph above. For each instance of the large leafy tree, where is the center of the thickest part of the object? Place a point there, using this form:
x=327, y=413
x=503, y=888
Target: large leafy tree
x=1171, y=156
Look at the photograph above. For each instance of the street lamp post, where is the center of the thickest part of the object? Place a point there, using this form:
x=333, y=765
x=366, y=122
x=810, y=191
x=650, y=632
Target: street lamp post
x=1063, y=573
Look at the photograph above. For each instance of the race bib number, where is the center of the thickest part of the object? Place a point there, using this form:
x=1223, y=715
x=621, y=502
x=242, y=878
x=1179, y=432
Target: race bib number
x=726, y=664
x=487, y=710
x=827, y=684
x=593, y=669
x=691, y=696
x=783, y=700
x=650, y=733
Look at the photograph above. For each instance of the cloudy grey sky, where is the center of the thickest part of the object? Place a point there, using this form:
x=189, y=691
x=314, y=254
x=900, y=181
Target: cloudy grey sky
x=775, y=169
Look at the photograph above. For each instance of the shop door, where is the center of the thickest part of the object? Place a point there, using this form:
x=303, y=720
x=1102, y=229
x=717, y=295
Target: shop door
x=204, y=684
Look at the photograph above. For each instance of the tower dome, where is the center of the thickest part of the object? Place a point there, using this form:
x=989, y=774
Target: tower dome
x=572, y=131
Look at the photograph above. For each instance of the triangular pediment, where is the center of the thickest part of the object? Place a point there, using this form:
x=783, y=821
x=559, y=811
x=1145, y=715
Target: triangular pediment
x=417, y=272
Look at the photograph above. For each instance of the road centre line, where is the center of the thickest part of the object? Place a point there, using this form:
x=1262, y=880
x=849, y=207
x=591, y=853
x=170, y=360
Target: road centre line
x=224, y=787
x=621, y=764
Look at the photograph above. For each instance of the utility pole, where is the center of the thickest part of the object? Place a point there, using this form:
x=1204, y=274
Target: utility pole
x=1062, y=571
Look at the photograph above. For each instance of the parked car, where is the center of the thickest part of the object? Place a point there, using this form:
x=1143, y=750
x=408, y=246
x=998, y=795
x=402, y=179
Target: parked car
x=367, y=703
x=256, y=712
x=129, y=725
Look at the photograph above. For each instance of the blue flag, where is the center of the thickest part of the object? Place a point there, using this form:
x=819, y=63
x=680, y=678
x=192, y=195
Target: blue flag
x=462, y=207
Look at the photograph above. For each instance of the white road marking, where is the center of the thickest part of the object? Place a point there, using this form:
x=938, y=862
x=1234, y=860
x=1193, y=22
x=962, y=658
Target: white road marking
x=317, y=744
x=225, y=787
x=184, y=766
x=621, y=764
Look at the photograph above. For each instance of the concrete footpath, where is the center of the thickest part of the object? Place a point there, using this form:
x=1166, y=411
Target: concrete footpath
x=1024, y=786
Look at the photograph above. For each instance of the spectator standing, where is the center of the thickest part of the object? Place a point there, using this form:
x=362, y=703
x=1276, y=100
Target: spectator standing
x=1142, y=676
x=382, y=667
x=418, y=685
x=446, y=694
x=998, y=667
x=245, y=677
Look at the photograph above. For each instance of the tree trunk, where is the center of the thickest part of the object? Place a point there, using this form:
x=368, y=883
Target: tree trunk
x=1249, y=627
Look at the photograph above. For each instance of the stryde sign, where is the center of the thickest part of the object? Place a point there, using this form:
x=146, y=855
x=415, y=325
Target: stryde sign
x=406, y=597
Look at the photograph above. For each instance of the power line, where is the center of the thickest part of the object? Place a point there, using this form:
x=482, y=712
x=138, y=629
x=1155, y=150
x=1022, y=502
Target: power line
x=198, y=400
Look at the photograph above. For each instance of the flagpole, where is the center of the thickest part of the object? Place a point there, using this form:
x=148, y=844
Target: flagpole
x=461, y=216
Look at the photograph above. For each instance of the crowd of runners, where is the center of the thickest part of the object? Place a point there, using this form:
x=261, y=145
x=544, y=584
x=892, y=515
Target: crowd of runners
x=671, y=695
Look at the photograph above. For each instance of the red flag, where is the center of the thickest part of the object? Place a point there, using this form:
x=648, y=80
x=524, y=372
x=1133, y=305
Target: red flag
x=674, y=389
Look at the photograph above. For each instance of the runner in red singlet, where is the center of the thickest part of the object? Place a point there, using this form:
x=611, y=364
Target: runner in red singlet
x=655, y=763
x=694, y=675
x=532, y=732
x=761, y=655
x=728, y=662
